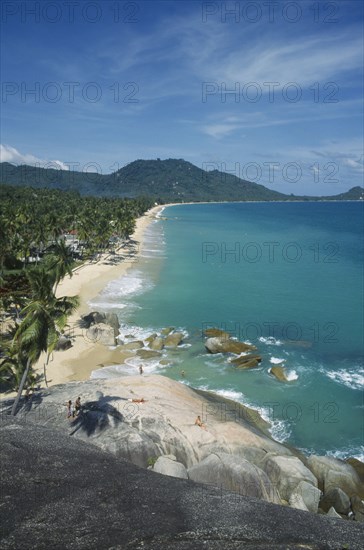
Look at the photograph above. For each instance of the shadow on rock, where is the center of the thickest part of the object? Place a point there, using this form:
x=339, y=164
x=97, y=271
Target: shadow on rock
x=97, y=415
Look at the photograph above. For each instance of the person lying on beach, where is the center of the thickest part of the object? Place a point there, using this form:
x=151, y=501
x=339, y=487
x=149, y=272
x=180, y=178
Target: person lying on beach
x=198, y=422
x=137, y=400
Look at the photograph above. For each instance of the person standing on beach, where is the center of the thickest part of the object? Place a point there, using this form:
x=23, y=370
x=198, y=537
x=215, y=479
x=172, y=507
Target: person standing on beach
x=141, y=370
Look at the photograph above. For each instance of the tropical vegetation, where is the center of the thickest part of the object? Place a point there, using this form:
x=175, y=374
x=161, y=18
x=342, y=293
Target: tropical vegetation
x=44, y=234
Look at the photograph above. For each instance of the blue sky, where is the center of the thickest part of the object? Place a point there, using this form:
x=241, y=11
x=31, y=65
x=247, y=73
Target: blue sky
x=117, y=81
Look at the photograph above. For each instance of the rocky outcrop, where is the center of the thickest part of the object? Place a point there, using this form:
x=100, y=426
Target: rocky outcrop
x=60, y=492
x=332, y=513
x=337, y=499
x=280, y=373
x=286, y=472
x=226, y=345
x=96, y=318
x=168, y=466
x=167, y=330
x=216, y=332
x=357, y=506
x=246, y=361
x=135, y=344
x=63, y=343
x=332, y=473
x=148, y=353
x=173, y=339
x=101, y=333
x=235, y=474
x=234, y=451
x=305, y=496
x=157, y=343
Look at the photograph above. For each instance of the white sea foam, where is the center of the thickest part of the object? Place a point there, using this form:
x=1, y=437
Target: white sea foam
x=279, y=429
x=276, y=360
x=231, y=394
x=292, y=375
x=351, y=378
x=270, y=341
x=349, y=452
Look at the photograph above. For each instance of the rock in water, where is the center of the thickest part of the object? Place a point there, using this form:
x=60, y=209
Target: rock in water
x=279, y=373
x=135, y=344
x=167, y=331
x=215, y=332
x=246, y=361
x=226, y=345
x=173, y=340
x=157, y=343
x=148, y=353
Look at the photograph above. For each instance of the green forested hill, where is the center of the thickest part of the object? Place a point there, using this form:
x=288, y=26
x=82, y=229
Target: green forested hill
x=171, y=180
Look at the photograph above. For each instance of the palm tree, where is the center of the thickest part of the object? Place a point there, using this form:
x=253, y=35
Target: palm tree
x=44, y=316
x=60, y=262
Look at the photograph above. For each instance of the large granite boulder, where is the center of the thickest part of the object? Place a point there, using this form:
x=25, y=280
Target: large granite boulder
x=226, y=345
x=157, y=343
x=92, y=318
x=167, y=330
x=280, y=373
x=235, y=474
x=112, y=320
x=101, y=333
x=148, y=353
x=173, y=339
x=246, y=361
x=133, y=345
x=63, y=343
x=358, y=467
x=333, y=473
x=357, y=506
x=305, y=497
x=286, y=472
x=169, y=466
x=216, y=332
x=337, y=499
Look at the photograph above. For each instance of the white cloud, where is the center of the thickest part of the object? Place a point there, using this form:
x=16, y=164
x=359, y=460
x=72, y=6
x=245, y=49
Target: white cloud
x=12, y=155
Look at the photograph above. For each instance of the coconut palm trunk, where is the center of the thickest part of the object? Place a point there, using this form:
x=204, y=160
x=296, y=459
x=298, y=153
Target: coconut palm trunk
x=21, y=387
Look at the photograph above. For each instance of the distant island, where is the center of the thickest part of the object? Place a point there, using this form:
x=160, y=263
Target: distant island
x=171, y=180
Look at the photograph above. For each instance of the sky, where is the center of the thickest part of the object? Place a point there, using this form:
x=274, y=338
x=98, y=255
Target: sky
x=270, y=91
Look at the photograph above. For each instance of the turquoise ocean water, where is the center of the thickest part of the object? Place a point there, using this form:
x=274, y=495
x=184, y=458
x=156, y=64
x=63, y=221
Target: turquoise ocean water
x=286, y=277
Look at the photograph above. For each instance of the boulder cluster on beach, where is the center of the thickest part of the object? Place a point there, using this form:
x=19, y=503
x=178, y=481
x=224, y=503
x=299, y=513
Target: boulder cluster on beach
x=105, y=327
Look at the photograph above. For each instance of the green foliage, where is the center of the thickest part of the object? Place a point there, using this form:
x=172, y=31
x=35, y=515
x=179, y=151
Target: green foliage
x=171, y=180
x=152, y=460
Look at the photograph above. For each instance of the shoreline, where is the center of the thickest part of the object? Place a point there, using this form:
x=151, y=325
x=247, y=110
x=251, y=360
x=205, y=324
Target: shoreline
x=77, y=363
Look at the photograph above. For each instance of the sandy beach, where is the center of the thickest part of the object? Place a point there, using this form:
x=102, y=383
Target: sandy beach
x=84, y=356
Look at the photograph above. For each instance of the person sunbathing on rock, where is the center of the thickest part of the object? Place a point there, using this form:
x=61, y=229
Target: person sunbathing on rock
x=138, y=400
x=198, y=422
